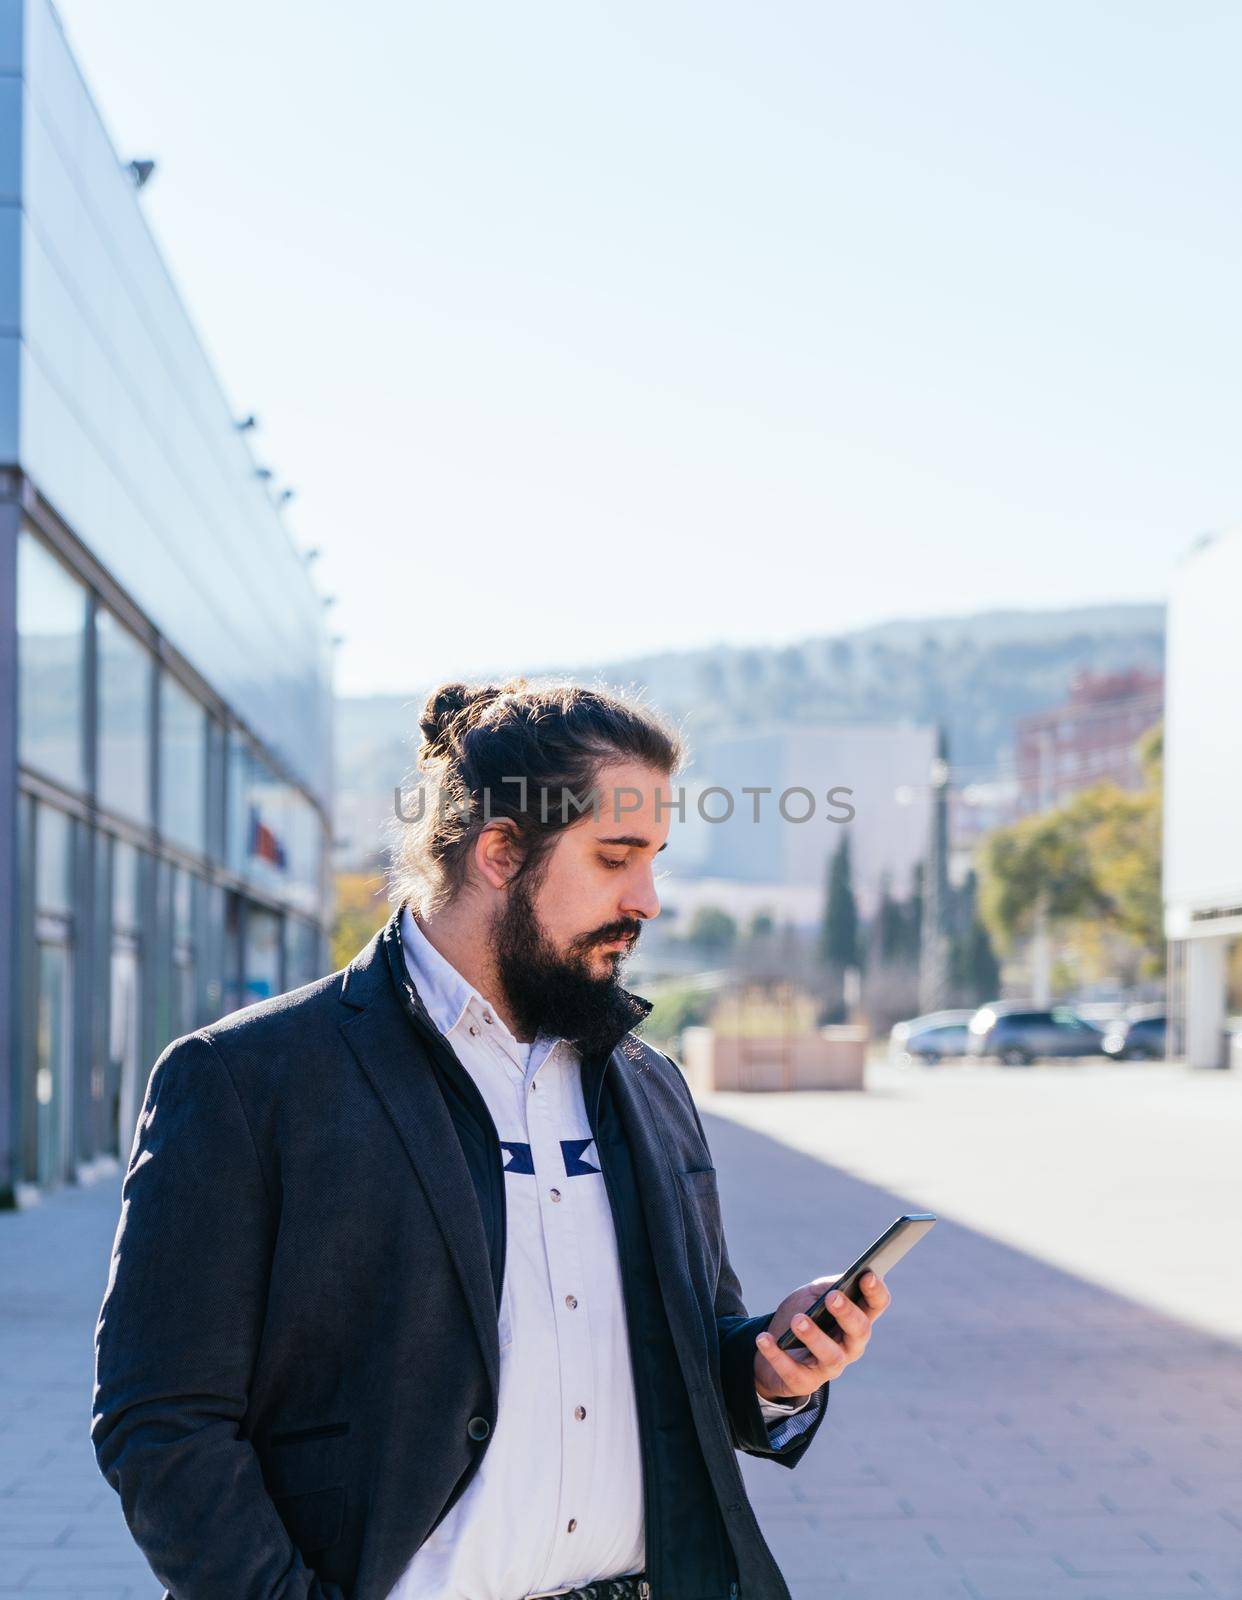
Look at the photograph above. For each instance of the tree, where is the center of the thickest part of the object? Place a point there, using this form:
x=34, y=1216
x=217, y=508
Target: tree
x=839, y=944
x=1045, y=855
x=914, y=913
x=360, y=909
x=974, y=970
x=1127, y=841
x=677, y=1006
x=891, y=935
x=1095, y=861
x=712, y=931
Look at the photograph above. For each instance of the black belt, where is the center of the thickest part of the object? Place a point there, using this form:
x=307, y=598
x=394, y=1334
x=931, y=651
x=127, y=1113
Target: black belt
x=632, y=1587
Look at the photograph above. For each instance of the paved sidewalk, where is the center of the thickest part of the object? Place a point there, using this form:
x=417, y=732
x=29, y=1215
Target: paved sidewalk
x=1015, y=1431
x=1127, y=1175
x=61, y=1529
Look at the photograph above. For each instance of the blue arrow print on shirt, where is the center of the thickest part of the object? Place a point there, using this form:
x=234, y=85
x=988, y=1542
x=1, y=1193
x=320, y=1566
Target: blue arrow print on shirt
x=573, y=1154
x=519, y=1157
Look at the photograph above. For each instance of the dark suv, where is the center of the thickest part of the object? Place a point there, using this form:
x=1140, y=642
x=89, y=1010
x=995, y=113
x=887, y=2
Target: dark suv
x=1018, y=1035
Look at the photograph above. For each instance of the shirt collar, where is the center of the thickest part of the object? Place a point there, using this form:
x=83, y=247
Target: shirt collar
x=442, y=989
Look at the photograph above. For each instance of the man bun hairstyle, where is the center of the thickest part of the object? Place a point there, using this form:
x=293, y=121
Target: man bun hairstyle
x=444, y=708
x=511, y=750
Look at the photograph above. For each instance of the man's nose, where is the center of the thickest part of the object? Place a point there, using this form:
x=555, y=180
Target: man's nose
x=643, y=901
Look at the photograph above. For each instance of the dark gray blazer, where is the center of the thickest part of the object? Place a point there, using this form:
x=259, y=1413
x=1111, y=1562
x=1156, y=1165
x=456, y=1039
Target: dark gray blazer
x=297, y=1356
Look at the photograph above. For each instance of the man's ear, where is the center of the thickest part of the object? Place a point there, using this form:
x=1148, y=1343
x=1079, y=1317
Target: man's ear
x=496, y=853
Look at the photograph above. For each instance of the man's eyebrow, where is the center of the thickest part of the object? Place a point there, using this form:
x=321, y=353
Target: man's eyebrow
x=631, y=838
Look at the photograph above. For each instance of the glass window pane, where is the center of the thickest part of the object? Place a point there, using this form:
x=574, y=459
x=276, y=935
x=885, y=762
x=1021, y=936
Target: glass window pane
x=183, y=765
x=184, y=955
x=239, y=764
x=125, y=1040
x=182, y=905
x=216, y=798
x=275, y=835
x=51, y=653
x=267, y=829
x=262, y=955
x=52, y=1068
x=126, y=912
x=305, y=838
x=124, y=670
x=232, y=963
x=53, y=860
x=301, y=952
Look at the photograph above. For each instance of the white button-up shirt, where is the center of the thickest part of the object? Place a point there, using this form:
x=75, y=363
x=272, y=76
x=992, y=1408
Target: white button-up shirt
x=557, y=1498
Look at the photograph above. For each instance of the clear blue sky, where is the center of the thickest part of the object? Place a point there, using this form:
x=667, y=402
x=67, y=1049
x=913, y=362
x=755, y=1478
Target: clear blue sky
x=586, y=329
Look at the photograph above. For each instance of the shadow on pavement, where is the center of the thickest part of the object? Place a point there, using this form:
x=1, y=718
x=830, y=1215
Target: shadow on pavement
x=1013, y=1431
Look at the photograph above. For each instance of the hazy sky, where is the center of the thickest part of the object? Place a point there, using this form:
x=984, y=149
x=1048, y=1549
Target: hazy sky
x=583, y=329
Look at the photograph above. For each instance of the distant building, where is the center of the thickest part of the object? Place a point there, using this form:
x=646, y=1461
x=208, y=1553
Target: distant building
x=1203, y=782
x=798, y=906
x=1090, y=739
x=884, y=773
x=165, y=720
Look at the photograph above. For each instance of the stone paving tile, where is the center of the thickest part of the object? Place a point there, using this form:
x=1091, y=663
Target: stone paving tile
x=61, y=1528
x=1014, y=1432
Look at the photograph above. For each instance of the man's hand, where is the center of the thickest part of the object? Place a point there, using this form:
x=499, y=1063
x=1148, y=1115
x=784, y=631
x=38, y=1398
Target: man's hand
x=789, y=1372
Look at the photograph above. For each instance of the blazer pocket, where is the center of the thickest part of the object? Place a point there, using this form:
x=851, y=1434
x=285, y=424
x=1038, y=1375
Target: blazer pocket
x=702, y=1181
x=323, y=1430
x=314, y=1519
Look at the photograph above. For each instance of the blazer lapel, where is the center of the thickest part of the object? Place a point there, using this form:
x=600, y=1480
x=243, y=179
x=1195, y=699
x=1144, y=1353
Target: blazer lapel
x=661, y=1201
x=388, y=1048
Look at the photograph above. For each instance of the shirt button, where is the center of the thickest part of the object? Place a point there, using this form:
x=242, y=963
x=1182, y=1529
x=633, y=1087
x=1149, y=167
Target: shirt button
x=571, y=1301
x=579, y=1412
x=474, y=1031
x=555, y=1193
x=487, y=1016
x=573, y=1523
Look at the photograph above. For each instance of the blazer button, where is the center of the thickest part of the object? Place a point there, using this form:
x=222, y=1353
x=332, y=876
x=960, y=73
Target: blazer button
x=478, y=1427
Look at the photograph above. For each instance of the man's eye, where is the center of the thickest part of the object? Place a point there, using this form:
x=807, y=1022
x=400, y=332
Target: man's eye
x=609, y=862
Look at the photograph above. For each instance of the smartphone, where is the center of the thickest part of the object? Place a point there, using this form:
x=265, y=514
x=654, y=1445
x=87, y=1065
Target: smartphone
x=878, y=1258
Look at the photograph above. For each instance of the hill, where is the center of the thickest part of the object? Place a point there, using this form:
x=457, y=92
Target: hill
x=974, y=674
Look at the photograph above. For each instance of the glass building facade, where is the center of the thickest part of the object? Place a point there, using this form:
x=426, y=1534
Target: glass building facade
x=165, y=667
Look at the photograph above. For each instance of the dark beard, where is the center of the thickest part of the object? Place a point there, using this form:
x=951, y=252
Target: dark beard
x=559, y=993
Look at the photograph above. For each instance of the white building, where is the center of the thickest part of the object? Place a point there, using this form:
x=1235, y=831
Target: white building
x=1203, y=790
x=768, y=807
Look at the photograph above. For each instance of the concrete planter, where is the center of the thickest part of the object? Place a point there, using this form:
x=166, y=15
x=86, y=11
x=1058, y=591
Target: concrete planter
x=829, y=1058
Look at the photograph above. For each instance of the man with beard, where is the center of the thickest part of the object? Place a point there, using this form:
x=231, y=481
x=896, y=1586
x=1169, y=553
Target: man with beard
x=420, y=1290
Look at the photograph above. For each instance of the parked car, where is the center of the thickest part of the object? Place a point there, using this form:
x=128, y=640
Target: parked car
x=929, y=1039
x=1136, y=1038
x=1018, y=1034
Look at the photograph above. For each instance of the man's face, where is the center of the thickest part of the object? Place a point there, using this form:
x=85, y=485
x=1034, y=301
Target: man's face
x=562, y=940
